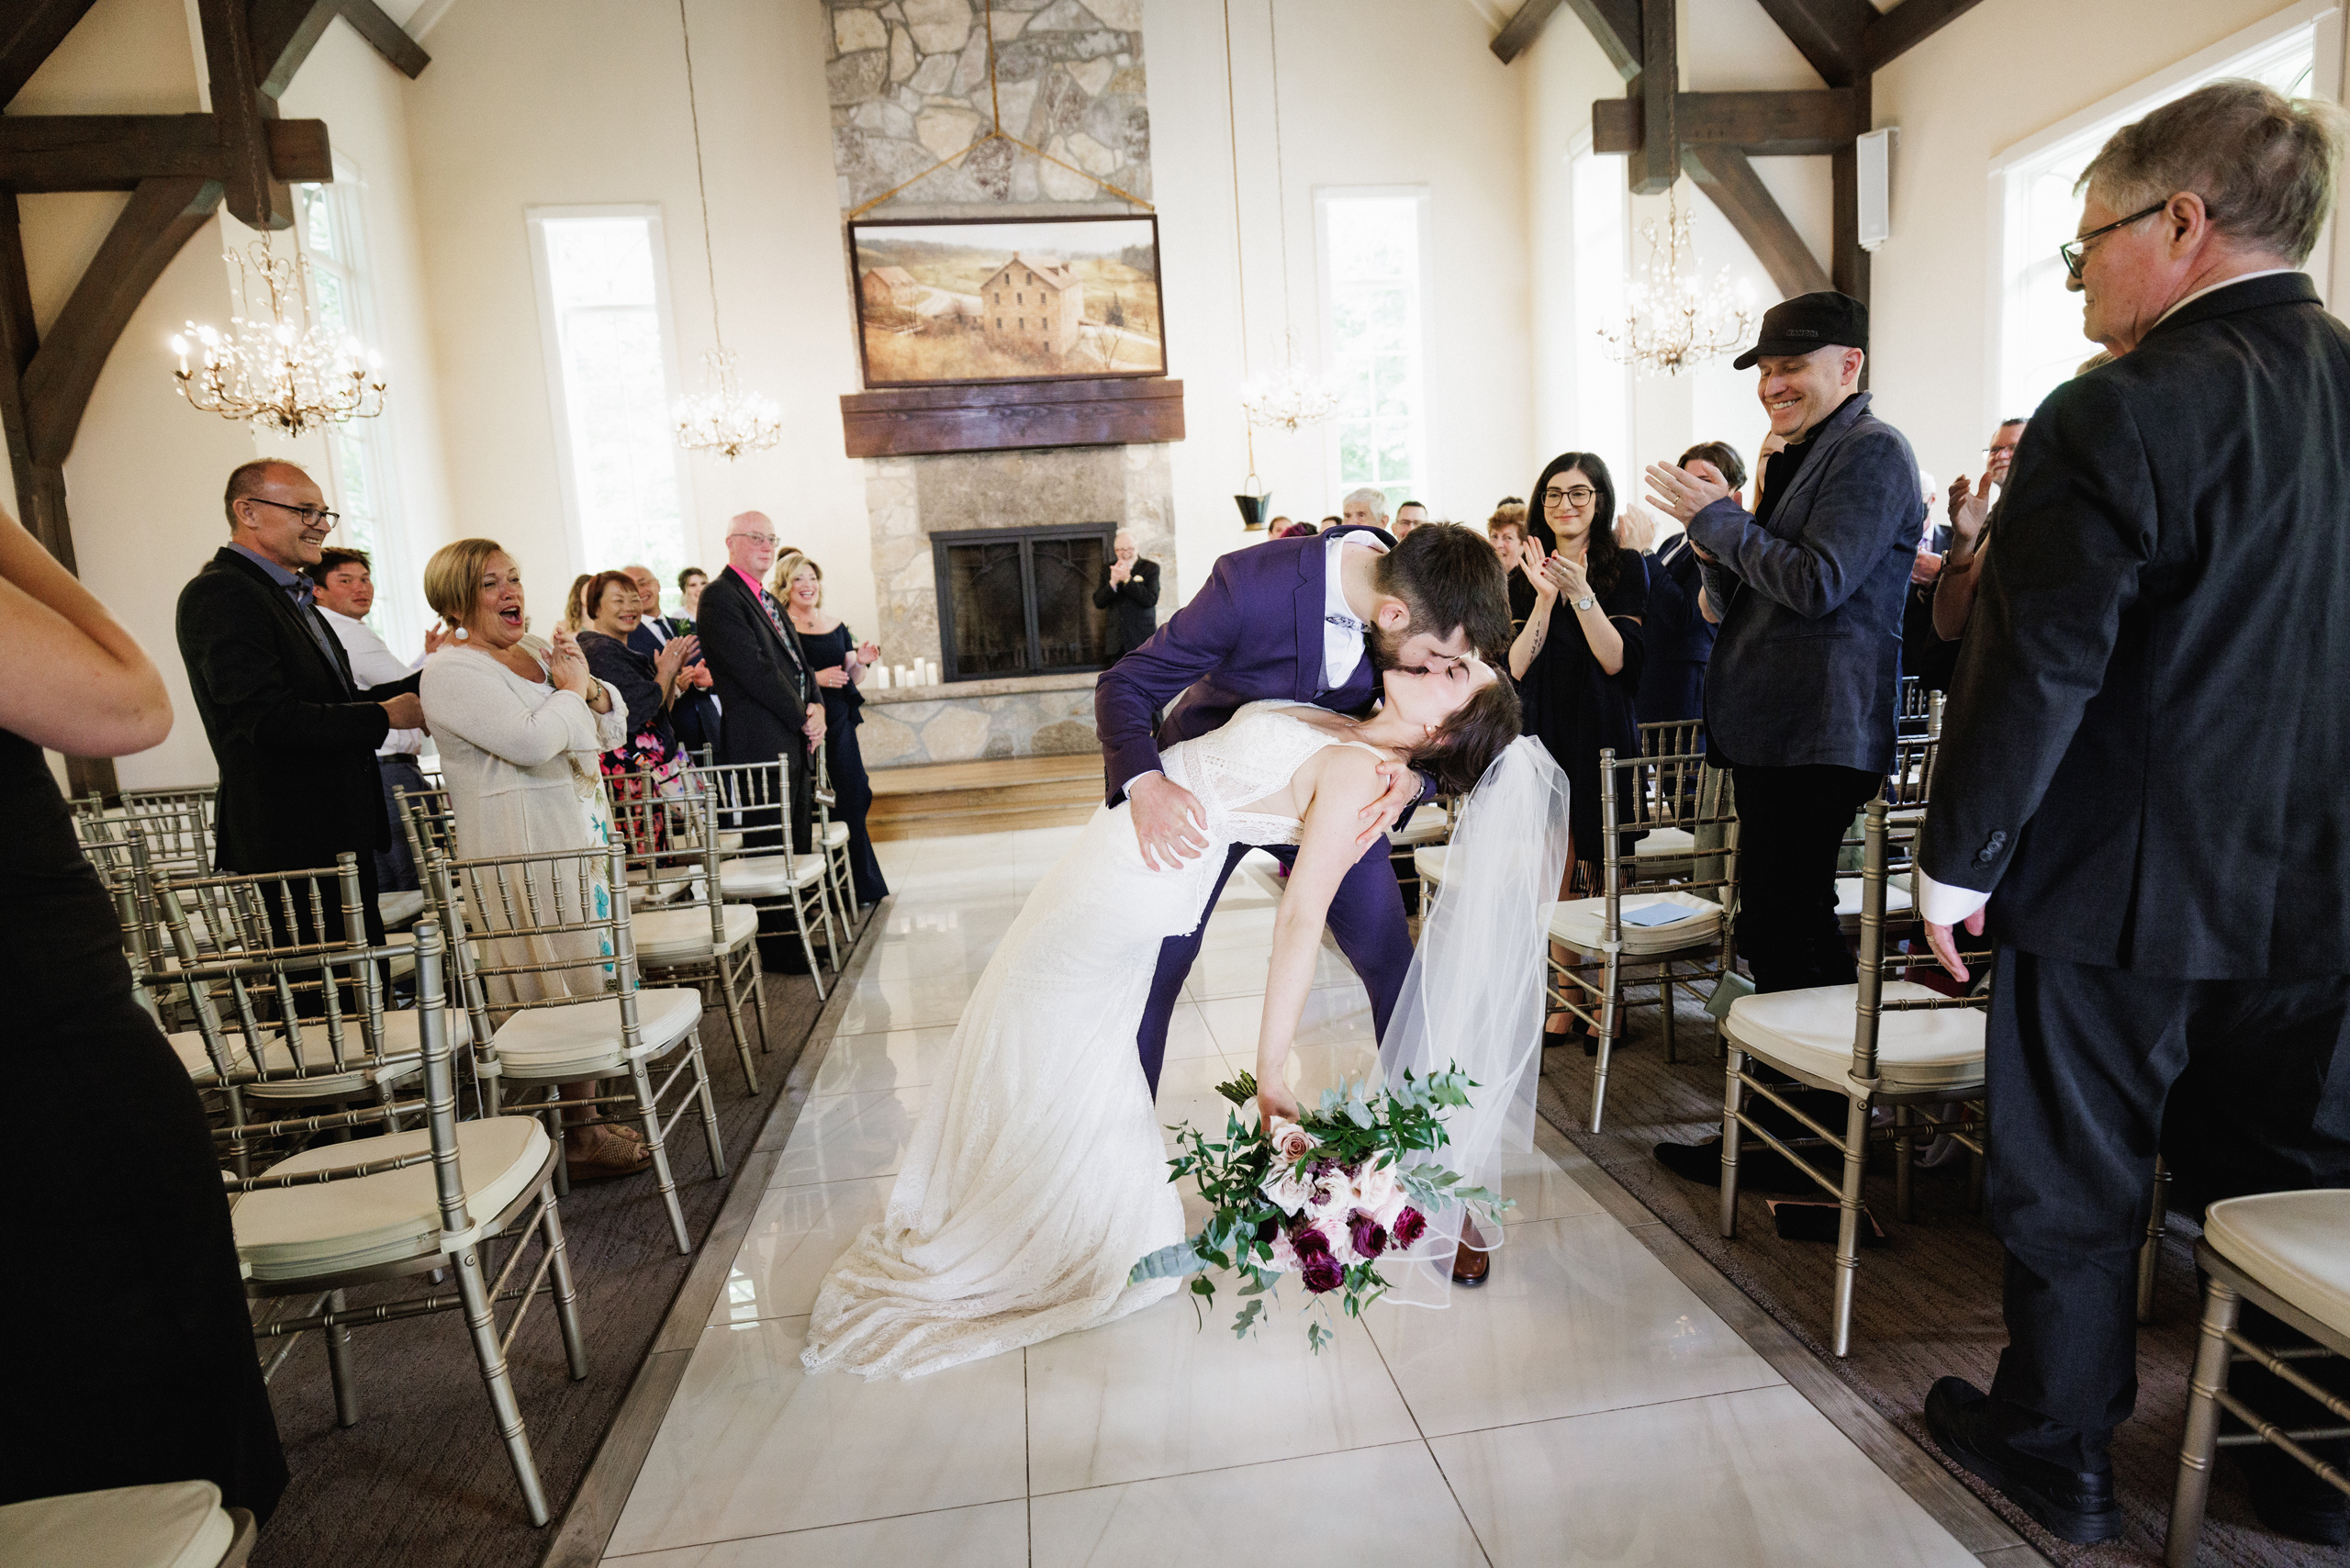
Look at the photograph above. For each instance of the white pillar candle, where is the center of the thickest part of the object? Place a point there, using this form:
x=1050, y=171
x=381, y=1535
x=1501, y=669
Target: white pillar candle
x=901, y=677
x=881, y=678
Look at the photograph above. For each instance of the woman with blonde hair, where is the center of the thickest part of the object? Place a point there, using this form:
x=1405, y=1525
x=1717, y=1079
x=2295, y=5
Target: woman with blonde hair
x=521, y=725
x=838, y=662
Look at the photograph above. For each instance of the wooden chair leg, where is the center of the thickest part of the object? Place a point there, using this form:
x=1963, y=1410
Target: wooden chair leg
x=2150, y=1251
x=566, y=1296
x=339, y=1368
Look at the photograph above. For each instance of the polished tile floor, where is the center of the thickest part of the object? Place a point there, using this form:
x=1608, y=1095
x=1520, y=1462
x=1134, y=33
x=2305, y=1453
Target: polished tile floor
x=1585, y=1406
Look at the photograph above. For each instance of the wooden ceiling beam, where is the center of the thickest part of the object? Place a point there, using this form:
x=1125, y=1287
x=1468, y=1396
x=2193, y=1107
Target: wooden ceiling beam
x=1890, y=36
x=29, y=33
x=1828, y=33
x=1761, y=125
x=1657, y=92
x=391, y=40
x=1518, y=35
x=1727, y=177
x=1614, y=25
x=41, y=154
x=280, y=34
x=161, y=218
x=255, y=196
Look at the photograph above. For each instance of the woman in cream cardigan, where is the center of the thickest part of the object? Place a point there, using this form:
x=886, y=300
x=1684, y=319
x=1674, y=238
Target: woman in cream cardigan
x=521, y=724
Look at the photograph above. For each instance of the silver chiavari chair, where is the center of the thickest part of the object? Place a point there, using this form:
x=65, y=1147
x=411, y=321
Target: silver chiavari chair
x=1880, y=1042
x=2282, y=1252
x=754, y=799
x=1695, y=904
x=549, y=979
x=271, y=1033
x=685, y=937
x=831, y=841
x=436, y=1201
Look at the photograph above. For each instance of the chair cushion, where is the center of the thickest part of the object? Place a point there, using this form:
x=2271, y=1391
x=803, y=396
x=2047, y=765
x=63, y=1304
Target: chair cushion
x=1428, y=826
x=584, y=1038
x=1810, y=1031
x=399, y=1036
x=178, y=1524
x=1665, y=842
x=730, y=843
x=399, y=908
x=1580, y=921
x=682, y=934
x=1429, y=862
x=765, y=876
x=1897, y=899
x=835, y=834
x=296, y=1232
x=2292, y=1243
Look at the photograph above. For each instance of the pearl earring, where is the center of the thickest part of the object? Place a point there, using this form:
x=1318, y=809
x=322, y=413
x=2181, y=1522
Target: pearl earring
x=460, y=633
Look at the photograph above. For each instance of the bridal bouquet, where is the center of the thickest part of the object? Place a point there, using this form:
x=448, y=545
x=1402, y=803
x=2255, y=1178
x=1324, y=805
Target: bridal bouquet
x=1323, y=1198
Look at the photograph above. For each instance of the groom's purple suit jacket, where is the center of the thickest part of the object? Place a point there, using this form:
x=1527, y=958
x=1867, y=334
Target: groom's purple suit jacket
x=1254, y=633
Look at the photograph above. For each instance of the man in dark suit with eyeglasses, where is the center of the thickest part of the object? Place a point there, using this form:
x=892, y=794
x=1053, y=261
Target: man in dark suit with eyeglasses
x=293, y=739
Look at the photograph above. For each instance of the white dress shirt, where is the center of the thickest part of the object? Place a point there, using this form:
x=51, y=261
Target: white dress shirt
x=1342, y=630
x=373, y=664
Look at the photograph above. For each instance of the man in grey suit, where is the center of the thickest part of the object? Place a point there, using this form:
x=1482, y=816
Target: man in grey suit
x=2142, y=774
x=1806, y=675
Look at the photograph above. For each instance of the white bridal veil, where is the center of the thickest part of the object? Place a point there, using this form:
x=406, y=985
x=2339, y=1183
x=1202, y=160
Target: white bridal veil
x=1473, y=994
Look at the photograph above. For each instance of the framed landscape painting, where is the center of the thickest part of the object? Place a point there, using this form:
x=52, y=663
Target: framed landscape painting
x=959, y=300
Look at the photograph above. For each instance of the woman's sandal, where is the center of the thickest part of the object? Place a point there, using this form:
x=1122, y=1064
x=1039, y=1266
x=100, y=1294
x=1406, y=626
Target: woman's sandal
x=612, y=1157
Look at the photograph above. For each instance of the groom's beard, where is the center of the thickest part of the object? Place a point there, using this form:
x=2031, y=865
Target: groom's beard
x=1387, y=651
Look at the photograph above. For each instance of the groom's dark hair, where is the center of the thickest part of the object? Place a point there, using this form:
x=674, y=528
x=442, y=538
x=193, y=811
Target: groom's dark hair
x=1447, y=576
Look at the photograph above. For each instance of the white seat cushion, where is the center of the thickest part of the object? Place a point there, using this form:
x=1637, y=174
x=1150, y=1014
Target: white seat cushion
x=2297, y=1244
x=766, y=877
x=676, y=936
x=295, y=1232
x=584, y=1038
x=399, y=908
x=730, y=843
x=400, y=1035
x=1429, y=862
x=1428, y=826
x=178, y=1524
x=835, y=836
x=1809, y=1032
x=1666, y=843
x=1848, y=900
x=1579, y=922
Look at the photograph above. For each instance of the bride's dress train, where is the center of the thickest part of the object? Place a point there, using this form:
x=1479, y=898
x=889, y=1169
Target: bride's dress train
x=1038, y=1176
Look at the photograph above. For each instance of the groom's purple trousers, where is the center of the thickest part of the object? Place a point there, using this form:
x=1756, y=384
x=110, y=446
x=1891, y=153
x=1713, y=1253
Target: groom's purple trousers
x=1366, y=917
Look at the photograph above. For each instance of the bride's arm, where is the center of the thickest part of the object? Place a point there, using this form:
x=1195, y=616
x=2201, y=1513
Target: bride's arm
x=1347, y=781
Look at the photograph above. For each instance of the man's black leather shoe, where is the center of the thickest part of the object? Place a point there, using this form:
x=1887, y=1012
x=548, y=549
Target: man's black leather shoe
x=2293, y=1500
x=2075, y=1506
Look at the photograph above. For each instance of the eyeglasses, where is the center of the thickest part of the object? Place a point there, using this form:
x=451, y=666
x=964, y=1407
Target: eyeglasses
x=758, y=538
x=308, y=514
x=1579, y=496
x=2008, y=451
x=2076, y=250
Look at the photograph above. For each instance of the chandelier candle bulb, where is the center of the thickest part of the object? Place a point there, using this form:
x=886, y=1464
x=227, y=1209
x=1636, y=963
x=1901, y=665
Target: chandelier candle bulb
x=287, y=372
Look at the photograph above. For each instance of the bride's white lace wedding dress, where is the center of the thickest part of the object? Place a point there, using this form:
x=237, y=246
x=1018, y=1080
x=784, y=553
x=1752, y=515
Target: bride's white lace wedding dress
x=1038, y=1176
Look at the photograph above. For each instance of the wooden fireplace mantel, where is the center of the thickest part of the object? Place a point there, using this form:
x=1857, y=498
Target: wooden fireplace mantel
x=909, y=421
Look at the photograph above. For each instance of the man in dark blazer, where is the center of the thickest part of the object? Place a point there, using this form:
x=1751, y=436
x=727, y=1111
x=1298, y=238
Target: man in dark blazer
x=695, y=713
x=1129, y=591
x=2142, y=773
x=762, y=680
x=1802, y=688
x=294, y=740
x=1272, y=624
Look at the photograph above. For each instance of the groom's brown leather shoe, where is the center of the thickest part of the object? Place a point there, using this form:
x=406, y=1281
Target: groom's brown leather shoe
x=1470, y=1266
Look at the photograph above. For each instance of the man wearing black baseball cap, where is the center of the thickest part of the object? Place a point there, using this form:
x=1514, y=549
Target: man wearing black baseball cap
x=1801, y=694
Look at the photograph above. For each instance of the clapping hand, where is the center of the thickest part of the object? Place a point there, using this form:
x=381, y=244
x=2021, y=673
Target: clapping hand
x=1970, y=507
x=671, y=661
x=1119, y=573
x=1531, y=560
x=1635, y=530
x=567, y=666
x=869, y=654
x=1566, y=575
x=834, y=678
x=1682, y=493
x=434, y=637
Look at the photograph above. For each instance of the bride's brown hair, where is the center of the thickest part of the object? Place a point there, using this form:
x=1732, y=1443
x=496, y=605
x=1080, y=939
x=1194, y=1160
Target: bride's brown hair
x=1465, y=745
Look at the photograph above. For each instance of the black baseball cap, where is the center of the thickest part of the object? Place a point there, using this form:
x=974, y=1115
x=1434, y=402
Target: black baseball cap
x=1809, y=321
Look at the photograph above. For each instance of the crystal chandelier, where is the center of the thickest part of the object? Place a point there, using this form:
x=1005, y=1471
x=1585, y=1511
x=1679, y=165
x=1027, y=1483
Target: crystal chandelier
x=1290, y=398
x=727, y=421
x=1673, y=320
x=286, y=372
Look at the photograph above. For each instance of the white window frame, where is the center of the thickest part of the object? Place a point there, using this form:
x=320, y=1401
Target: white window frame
x=401, y=615
x=2013, y=167
x=535, y=219
x=1424, y=480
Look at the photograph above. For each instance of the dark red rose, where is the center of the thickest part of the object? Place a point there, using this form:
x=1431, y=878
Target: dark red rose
x=1267, y=1229
x=1410, y=1225
x=1309, y=1241
x=1321, y=1272
x=1369, y=1237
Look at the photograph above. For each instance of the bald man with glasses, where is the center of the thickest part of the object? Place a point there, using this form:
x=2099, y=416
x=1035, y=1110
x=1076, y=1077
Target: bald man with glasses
x=292, y=735
x=763, y=680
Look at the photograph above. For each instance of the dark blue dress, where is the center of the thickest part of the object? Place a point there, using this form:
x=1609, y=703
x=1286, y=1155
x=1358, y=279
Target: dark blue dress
x=852, y=790
x=1579, y=709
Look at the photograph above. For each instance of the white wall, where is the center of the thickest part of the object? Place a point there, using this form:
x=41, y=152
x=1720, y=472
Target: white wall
x=573, y=102
x=1374, y=93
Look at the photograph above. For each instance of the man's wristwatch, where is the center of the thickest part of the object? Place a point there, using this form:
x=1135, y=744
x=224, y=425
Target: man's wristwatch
x=1585, y=602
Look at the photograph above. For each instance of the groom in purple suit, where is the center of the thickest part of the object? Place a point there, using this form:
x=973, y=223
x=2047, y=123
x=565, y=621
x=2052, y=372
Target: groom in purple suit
x=1308, y=619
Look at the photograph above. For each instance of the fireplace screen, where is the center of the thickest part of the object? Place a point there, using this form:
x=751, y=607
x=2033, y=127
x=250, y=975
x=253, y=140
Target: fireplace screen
x=1020, y=600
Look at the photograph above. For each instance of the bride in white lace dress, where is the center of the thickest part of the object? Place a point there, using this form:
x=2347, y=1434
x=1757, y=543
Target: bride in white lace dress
x=1038, y=1176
